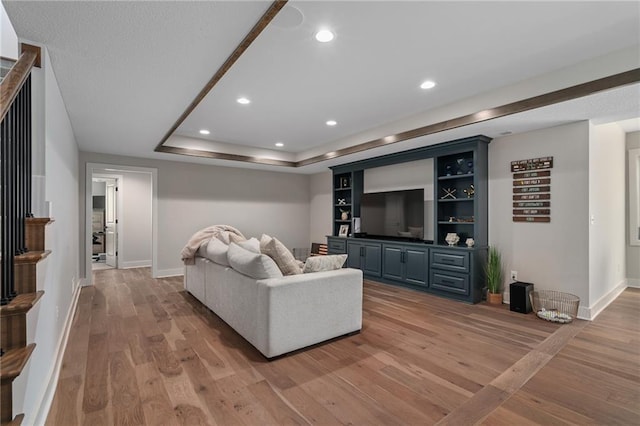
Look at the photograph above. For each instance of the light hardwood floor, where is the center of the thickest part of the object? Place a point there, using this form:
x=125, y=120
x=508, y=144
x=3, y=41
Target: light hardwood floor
x=143, y=351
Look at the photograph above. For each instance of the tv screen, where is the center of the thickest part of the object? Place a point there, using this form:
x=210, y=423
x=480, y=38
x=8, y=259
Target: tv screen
x=398, y=214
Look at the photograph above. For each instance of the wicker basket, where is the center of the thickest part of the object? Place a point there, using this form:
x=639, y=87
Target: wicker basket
x=555, y=306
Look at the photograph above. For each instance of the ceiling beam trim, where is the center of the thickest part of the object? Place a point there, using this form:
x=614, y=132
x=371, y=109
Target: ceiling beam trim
x=562, y=95
x=546, y=99
x=262, y=23
x=224, y=156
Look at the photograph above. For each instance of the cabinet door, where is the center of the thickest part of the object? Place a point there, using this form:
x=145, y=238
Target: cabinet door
x=416, y=266
x=392, y=262
x=354, y=259
x=372, y=262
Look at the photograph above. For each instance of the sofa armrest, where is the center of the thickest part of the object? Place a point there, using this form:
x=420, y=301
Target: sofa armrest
x=296, y=311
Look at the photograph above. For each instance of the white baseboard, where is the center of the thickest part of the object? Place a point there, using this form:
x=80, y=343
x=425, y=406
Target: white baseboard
x=633, y=282
x=49, y=390
x=136, y=264
x=162, y=273
x=591, y=312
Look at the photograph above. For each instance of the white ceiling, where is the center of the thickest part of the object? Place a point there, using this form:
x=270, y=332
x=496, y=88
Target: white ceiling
x=127, y=70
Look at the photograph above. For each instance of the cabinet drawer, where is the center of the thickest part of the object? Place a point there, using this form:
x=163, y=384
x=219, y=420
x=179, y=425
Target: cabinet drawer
x=337, y=246
x=458, y=262
x=450, y=282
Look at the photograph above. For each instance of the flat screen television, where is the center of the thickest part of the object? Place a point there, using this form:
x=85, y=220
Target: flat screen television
x=393, y=214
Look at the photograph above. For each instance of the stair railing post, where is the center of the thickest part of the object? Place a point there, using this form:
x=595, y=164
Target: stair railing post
x=19, y=176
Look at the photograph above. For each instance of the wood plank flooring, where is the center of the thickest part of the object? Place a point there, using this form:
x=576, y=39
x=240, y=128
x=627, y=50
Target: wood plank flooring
x=143, y=351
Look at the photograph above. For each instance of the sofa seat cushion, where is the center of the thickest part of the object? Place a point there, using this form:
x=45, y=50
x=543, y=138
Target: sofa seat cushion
x=324, y=263
x=273, y=248
x=255, y=265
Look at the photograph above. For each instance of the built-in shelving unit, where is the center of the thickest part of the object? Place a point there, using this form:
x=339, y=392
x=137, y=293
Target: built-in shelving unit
x=347, y=188
x=455, y=196
x=460, y=194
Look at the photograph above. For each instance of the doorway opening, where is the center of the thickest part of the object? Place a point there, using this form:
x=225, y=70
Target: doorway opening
x=121, y=218
x=104, y=221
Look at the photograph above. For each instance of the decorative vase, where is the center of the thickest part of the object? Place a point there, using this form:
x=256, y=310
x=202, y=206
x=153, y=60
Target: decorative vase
x=452, y=238
x=494, y=298
x=470, y=242
x=344, y=216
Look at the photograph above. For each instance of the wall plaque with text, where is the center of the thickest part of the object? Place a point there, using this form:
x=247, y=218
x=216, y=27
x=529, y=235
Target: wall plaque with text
x=532, y=164
x=532, y=189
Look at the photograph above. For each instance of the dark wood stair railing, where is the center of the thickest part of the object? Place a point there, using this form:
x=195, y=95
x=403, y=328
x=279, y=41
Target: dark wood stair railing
x=22, y=235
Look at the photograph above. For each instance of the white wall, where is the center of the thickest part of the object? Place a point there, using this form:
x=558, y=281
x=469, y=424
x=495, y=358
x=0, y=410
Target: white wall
x=607, y=215
x=192, y=197
x=58, y=273
x=98, y=188
x=320, y=206
x=410, y=175
x=8, y=37
x=554, y=255
x=633, y=252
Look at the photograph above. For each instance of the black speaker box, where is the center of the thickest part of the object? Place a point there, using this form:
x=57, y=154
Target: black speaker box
x=519, y=300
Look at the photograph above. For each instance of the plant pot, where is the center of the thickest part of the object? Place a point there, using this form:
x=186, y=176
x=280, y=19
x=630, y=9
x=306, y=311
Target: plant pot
x=494, y=298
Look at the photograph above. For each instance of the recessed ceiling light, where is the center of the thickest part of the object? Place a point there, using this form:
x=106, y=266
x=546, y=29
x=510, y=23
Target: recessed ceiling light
x=243, y=101
x=204, y=132
x=332, y=123
x=279, y=144
x=428, y=85
x=324, y=36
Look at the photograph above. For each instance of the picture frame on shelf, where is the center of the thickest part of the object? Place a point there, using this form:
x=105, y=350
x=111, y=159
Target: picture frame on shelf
x=344, y=231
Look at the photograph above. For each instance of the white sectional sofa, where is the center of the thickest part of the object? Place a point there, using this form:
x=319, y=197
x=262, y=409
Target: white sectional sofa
x=280, y=315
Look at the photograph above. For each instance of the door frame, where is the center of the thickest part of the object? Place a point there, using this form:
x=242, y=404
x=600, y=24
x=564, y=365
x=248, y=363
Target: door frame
x=101, y=168
x=119, y=210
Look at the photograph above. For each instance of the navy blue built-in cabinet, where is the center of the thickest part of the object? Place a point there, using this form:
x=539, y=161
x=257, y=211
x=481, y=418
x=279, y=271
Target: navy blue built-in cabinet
x=460, y=206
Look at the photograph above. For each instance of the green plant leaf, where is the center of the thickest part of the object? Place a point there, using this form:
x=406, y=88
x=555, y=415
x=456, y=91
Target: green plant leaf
x=493, y=271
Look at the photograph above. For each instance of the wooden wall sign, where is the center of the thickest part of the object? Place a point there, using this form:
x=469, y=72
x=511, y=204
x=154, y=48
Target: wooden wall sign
x=532, y=190
x=532, y=164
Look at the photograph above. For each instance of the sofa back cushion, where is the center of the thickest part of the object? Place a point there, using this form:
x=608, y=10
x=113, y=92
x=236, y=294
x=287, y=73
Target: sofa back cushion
x=252, y=244
x=273, y=248
x=216, y=251
x=255, y=265
x=324, y=263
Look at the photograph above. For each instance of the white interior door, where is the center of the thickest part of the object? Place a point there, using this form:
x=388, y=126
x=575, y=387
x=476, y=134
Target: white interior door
x=111, y=224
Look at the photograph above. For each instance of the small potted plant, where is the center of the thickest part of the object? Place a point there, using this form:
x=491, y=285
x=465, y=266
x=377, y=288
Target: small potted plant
x=493, y=273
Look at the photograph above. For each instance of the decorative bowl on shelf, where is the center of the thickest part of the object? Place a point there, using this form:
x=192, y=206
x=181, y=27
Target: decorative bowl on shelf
x=452, y=238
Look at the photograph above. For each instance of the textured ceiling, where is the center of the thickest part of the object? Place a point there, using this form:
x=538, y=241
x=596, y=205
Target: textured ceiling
x=369, y=75
x=127, y=70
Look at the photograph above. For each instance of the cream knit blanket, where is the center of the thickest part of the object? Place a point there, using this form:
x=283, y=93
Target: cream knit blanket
x=220, y=232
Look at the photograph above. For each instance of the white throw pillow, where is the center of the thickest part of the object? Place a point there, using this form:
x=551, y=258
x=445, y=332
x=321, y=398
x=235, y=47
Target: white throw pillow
x=216, y=251
x=251, y=244
x=324, y=263
x=264, y=240
x=255, y=265
x=281, y=255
